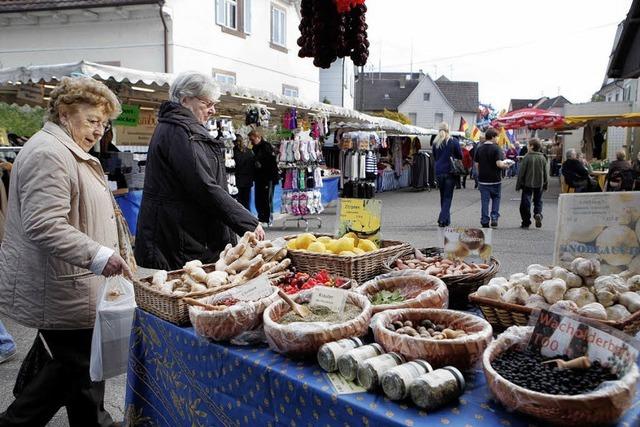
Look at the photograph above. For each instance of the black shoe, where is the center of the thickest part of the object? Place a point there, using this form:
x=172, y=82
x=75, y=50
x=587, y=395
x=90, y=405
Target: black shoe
x=525, y=226
x=494, y=224
x=485, y=225
x=538, y=219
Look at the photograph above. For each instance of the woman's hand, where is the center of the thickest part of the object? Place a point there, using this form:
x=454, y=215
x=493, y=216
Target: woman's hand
x=116, y=266
x=260, y=234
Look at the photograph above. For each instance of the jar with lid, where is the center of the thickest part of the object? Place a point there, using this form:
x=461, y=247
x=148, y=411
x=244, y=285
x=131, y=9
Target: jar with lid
x=349, y=362
x=329, y=353
x=435, y=389
x=396, y=381
x=371, y=370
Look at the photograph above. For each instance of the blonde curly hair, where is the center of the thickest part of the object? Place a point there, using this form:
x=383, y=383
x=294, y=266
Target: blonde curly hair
x=72, y=91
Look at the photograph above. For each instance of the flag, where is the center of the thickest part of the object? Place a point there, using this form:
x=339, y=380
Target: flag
x=463, y=125
x=503, y=139
x=475, y=134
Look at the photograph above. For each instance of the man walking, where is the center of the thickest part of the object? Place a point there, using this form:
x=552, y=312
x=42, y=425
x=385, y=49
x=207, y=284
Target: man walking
x=532, y=180
x=489, y=159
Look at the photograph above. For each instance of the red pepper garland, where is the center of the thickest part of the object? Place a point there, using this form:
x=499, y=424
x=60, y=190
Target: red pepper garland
x=333, y=29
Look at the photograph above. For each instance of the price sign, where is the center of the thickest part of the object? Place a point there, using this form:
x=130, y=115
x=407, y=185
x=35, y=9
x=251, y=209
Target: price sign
x=331, y=298
x=253, y=290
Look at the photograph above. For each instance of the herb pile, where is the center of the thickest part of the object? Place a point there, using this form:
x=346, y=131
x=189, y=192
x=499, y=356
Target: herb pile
x=386, y=297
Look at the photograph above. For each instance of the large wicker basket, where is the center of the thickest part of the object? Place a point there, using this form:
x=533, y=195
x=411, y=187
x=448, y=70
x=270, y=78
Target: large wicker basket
x=168, y=307
x=599, y=407
x=360, y=267
x=502, y=315
x=459, y=286
x=299, y=339
x=462, y=352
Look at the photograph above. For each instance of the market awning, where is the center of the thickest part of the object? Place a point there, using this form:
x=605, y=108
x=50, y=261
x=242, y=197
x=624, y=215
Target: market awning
x=619, y=120
x=47, y=73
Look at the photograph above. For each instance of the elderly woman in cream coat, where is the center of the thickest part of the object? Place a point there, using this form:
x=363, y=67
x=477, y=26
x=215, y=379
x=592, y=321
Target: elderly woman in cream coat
x=61, y=236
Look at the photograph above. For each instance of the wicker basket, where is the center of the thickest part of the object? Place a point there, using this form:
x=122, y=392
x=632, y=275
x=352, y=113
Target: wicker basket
x=462, y=352
x=168, y=307
x=419, y=289
x=459, y=286
x=299, y=339
x=600, y=407
x=360, y=267
x=502, y=315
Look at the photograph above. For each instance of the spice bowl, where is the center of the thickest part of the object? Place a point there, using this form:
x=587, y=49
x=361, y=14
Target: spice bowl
x=305, y=338
x=419, y=290
x=599, y=407
x=462, y=352
x=226, y=324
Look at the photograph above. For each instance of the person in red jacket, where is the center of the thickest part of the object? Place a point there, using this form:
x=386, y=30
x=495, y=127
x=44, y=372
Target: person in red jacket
x=467, y=161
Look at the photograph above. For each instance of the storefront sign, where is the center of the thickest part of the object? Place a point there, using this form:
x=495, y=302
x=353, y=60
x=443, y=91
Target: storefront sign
x=129, y=117
x=605, y=226
x=31, y=93
x=332, y=298
x=467, y=243
x=360, y=216
x=138, y=135
x=558, y=334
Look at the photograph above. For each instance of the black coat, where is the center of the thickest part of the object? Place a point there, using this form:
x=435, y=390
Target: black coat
x=245, y=167
x=265, y=163
x=186, y=211
x=574, y=172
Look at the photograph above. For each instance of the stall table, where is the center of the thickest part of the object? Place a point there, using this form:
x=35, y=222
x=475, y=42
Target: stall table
x=176, y=378
x=600, y=176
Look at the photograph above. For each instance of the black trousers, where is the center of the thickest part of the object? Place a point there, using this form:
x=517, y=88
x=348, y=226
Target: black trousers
x=525, y=203
x=244, y=197
x=61, y=381
x=264, y=200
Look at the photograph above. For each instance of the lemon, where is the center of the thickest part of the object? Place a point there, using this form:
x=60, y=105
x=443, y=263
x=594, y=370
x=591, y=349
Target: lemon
x=358, y=251
x=324, y=239
x=331, y=245
x=291, y=245
x=354, y=236
x=347, y=253
x=367, y=245
x=345, y=244
x=316, y=247
x=304, y=240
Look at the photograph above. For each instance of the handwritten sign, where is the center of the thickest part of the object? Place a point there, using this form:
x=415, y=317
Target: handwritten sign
x=331, y=298
x=342, y=386
x=360, y=216
x=129, y=117
x=253, y=290
x=605, y=226
x=561, y=334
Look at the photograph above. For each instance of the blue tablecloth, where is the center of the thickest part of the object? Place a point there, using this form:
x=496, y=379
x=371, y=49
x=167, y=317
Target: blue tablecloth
x=178, y=379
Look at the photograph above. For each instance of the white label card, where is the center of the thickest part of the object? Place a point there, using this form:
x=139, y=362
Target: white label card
x=253, y=290
x=332, y=298
x=342, y=386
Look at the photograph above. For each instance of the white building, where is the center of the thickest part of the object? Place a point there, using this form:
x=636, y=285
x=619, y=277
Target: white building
x=337, y=84
x=249, y=42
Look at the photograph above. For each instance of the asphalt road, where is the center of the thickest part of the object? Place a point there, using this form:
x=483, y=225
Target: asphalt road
x=408, y=216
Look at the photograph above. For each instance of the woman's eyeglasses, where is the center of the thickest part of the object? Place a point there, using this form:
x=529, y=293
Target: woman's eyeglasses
x=97, y=124
x=207, y=103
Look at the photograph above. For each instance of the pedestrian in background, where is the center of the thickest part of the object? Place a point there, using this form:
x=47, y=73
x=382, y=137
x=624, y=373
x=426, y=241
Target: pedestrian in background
x=467, y=161
x=244, y=170
x=533, y=180
x=266, y=175
x=489, y=159
x=445, y=148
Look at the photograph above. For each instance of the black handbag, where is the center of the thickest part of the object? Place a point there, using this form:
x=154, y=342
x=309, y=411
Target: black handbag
x=457, y=167
x=33, y=363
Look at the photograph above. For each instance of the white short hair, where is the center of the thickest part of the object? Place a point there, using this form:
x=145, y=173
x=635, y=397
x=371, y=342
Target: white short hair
x=193, y=84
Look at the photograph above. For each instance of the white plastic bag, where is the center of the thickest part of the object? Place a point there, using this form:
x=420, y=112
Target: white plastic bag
x=114, y=316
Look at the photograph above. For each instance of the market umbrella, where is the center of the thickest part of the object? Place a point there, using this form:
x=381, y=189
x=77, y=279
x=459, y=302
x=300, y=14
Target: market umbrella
x=532, y=118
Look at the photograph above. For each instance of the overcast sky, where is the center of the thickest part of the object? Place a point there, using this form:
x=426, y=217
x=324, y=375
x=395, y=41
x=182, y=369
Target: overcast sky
x=513, y=48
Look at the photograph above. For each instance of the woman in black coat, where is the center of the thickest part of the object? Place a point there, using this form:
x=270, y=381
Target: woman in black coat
x=244, y=170
x=266, y=175
x=186, y=211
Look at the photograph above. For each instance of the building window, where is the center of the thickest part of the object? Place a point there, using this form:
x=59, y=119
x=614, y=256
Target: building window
x=224, y=77
x=426, y=96
x=234, y=16
x=278, y=26
x=617, y=96
x=414, y=118
x=439, y=118
x=386, y=96
x=291, y=91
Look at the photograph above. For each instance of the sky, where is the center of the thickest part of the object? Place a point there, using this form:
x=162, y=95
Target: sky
x=512, y=48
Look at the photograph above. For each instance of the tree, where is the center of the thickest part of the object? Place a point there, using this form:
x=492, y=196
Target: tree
x=394, y=115
x=23, y=121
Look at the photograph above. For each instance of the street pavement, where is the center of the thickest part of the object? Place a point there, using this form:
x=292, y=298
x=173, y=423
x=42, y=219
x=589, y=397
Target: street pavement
x=408, y=215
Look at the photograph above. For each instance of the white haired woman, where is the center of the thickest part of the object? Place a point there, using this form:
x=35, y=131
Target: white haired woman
x=444, y=148
x=61, y=235
x=187, y=212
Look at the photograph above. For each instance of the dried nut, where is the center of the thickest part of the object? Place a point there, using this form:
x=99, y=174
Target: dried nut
x=398, y=324
x=422, y=329
x=408, y=323
x=391, y=327
x=425, y=335
x=431, y=331
x=427, y=324
x=449, y=333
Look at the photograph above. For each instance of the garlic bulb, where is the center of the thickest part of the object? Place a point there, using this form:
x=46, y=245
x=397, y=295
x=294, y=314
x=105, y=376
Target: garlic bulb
x=553, y=290
x=585, y=267
x=498, y=281
x=494, y=292
x=617, y=312
x=516, y=295
x=536, y=301
x=631, y=301
x=622, y=239
x=536, y=267
x=594, y=310
x=564, y=305
x=534, y=284
x=520, y=280
x=516, y=276
x=581, y=296
x=560, y=273
x=634, y=283
x=573, y=280
x=613, y=282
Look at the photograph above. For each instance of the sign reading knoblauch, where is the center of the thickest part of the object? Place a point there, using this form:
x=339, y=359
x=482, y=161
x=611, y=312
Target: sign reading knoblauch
x=602, y=226
x=360, y=216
